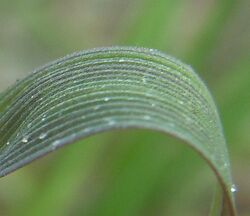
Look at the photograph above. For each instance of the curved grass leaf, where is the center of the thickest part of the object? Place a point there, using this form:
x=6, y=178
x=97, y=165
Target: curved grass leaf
x=111, y=88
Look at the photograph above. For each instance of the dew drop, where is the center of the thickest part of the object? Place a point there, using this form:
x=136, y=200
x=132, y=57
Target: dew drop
x=7, y=143
x=96, y=107
x=121, y=60
x=87, y=130
x=188, y=119
x=111, y=122
x=106, y=99
x=43, y=117
x=148, y=94
x=233, y=188
x=153, y=104
x=181, y=102
x=55, y=144
x=226, y=165
x=147, y=117
x=25, y=139
x=171, y=124
x=42, y=135
x=144, y=80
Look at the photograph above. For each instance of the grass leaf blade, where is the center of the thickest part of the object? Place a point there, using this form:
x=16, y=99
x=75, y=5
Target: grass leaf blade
x=110, y=88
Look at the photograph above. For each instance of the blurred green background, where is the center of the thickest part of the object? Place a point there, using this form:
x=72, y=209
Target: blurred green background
x=130, y=173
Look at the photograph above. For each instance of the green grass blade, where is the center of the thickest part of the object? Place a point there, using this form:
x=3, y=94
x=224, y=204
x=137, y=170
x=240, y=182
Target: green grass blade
x=110, y=88
x=216, y=204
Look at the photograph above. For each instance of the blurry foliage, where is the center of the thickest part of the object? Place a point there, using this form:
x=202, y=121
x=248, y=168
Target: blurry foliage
x=130, y=173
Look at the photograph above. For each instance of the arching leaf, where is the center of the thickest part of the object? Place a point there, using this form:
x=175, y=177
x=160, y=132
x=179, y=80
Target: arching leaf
x=111, y=88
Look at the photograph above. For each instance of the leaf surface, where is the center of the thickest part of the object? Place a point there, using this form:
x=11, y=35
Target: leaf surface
x=111, y=88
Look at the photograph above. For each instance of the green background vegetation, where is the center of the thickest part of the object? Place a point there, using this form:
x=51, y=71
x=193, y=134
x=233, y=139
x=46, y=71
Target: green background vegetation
x=131, y=172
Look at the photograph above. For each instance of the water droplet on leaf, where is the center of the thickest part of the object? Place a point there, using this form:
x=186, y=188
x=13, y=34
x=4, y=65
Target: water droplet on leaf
x=188, y=119
x=121, y=60
x=233, y=188
x=55, y=144
x=25, y=139
x=42, y=135
x=87, y=130
x=111, y=122
x=147, y=117
x=96, y=107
